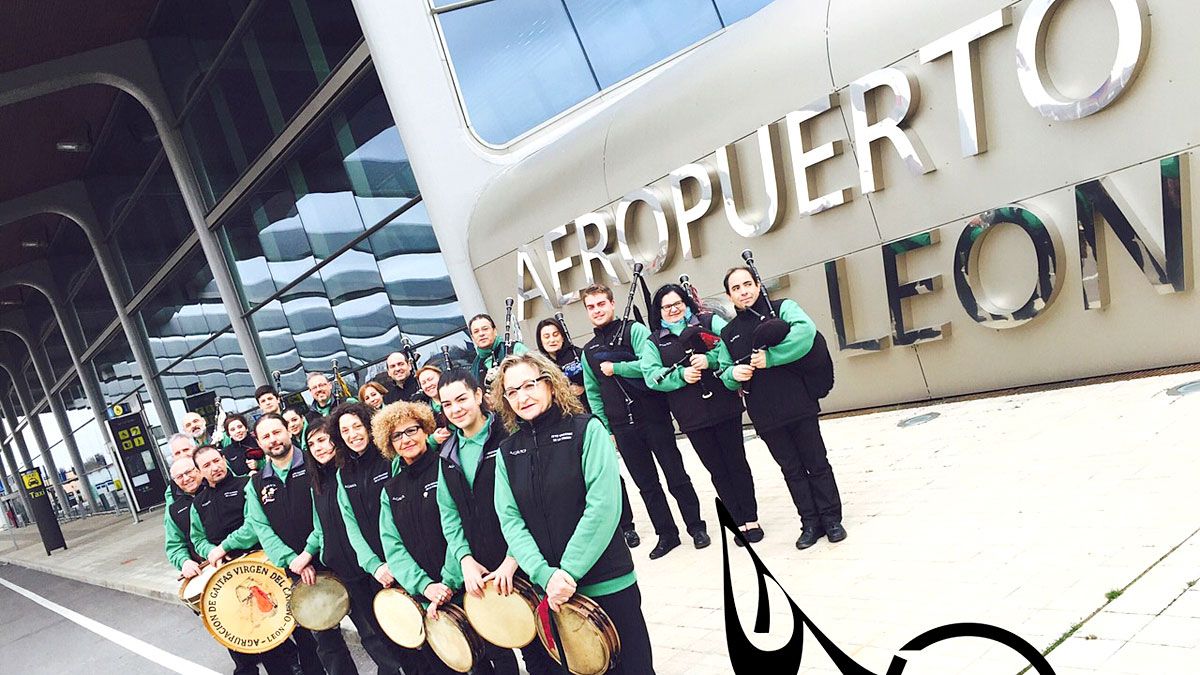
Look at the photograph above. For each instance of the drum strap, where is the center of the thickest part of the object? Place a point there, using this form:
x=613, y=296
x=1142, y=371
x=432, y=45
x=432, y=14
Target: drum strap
x=551, y=629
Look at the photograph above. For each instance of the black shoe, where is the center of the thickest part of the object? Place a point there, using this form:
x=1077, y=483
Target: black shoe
x=700, y=539
x=809, y=537
x=835, y=532
x=664, y=547
x=754, y=534
x=631, y=538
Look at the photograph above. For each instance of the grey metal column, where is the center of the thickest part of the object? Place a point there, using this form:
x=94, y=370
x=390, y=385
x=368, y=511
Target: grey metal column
x=39, y=436
x=182, y=168
x=16, y=484
x=135, y=335
x=68, y=322
x=10, y=416
x=41, y=366
x=9, y=485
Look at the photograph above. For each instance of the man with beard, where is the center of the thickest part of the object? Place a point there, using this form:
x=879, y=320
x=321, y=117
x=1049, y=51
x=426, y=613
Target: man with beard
x=218, y=515
x=279, y=506
x=398, y=379
x=321, y=390
x=638, y=418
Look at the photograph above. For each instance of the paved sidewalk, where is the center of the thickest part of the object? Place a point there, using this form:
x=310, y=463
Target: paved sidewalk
x=1021, y=511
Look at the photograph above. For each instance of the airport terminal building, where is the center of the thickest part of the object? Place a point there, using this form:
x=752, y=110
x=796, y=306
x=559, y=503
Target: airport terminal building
x=965, y=196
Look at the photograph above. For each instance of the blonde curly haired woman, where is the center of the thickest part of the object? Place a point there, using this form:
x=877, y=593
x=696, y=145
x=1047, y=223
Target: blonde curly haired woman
x=558, y=497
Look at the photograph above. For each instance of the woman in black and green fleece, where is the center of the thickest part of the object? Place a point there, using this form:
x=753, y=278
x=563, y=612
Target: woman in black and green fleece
x=558, y=498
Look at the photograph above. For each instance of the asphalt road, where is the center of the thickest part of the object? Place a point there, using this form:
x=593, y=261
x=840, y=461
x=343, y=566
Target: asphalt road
x=35, y=639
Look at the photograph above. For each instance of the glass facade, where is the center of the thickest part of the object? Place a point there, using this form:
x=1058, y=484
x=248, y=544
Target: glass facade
x=328, y=244
x=519, y=63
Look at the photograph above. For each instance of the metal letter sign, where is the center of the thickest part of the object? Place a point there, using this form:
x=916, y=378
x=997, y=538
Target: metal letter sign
x=138, y=454
x=43, y=511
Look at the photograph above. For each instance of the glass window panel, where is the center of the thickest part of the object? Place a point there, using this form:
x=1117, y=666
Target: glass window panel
x=69, y=253
x=184, y=312
x=125, y=150
x=219, y=366
x=94, y=305
x=116, y=370
x=156, y=225
x=622, y=37
x=186, y=37
x=281, y=58
x=736, y=10
x=518, y=63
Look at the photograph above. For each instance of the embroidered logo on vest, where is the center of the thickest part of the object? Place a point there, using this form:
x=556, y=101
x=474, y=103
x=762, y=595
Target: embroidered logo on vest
x=563, y=436
x=350, y=486
x=380, y=477
x=268, y=494
x=234, y=493
x=514, y=453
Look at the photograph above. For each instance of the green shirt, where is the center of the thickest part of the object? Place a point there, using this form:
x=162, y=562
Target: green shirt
x=798, y=342
x=242, y=538
x=176, y=541
x=279, y=552
x=470, y=451
x=639, y=337
x=362, y=550
x=652, y=364
x=601, y=513
x=401, y=563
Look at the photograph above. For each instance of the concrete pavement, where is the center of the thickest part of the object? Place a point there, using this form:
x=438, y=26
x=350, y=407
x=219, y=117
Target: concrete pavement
x=1021, y=510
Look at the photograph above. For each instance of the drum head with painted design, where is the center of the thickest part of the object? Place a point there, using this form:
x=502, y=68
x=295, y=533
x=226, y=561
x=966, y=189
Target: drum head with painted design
x=245, y=606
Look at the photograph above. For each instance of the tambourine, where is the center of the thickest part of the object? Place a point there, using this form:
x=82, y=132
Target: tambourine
x=400, y=617
x=589, y=637
x=322, y=605
x=245, y=605
x=505, y=621
x=452, y=639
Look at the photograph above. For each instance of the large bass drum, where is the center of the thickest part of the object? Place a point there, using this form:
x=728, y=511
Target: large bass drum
x=245, y=606
x=588, y=635
x=505, y=621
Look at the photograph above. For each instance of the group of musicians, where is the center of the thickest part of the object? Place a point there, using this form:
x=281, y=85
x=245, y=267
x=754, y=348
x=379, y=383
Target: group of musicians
x=441, y=481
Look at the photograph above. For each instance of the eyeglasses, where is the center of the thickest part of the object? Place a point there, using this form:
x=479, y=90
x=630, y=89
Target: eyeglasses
x=671, y=307
x=410, y=432
x=528, y=388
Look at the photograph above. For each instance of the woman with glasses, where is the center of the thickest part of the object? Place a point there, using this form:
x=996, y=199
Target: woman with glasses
x=681, y=363
x=558, y=499
x=362, y=472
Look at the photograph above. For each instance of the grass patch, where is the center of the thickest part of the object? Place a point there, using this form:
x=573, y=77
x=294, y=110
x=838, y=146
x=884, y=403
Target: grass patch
x=1113, y=594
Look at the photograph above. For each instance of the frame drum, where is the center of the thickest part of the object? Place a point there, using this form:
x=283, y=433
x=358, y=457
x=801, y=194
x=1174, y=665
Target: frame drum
x=588, y=635
x=450, y=637
x=509, y=622
x=400, y=617
x=245, y=606
x=190, y=590
x=321, y=606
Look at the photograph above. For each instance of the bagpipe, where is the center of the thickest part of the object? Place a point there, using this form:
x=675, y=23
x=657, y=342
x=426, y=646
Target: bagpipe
x=505, y=346
x=341, y=391
x=575, y=367
x=294, y=401
x=696, y=340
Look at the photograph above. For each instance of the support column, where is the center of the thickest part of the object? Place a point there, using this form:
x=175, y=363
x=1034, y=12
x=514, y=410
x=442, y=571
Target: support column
x=68, y=322
x=8, y=470
x=177, y=155
x=41, y=366
x=10, y=416
x=39, y=437
x=135, y=335
x=15, y=484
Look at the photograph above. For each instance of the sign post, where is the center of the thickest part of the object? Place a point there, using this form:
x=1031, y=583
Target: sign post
x=43, y=511
x=139, y=458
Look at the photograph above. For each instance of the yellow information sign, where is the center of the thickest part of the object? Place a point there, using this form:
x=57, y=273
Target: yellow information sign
x=32, y=480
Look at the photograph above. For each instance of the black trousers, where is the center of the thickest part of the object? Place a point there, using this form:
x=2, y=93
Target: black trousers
x=800, y=452
x=722, y=450
x=388, y=656
x=278, y=661
x=640, y=445
x=323, y=651
x=626, y=510
x=625, y=609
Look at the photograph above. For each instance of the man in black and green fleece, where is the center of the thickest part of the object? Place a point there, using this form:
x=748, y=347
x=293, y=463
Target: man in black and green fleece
x=321, y=390
x=488, y=346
